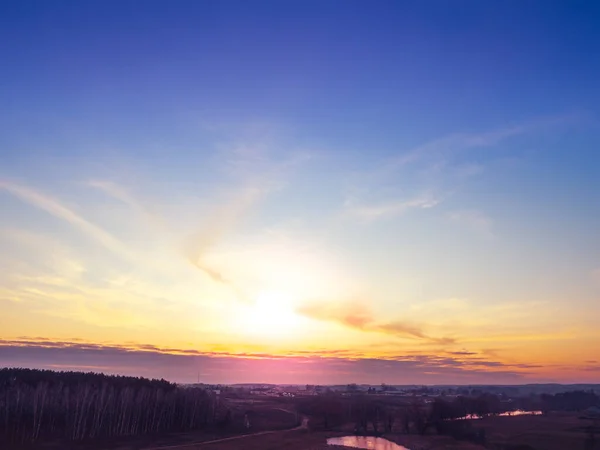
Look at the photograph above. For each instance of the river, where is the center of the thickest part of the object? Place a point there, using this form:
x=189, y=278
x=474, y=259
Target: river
x=367, y=442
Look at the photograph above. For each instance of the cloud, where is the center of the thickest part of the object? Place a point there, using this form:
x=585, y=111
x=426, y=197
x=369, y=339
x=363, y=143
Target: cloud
x=391, y=208
x=438, y=167
x=474, y=220
x=443, y=147
x=57, y=209
x=358, y=316
x=97, y=307
x=218, y=224
x=255, y=173
x=121, y=194
x=195, y=246
x=401, y=328
x=351, y=314
x=115, y=191
x=37, y=252
x=184, y=365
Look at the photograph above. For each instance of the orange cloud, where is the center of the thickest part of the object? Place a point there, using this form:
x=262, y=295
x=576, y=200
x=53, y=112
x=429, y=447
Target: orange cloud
x=318, y=367
x=351, y=314
x=358, y=316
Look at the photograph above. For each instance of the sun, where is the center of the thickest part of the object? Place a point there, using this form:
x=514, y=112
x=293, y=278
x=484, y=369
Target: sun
x=273, y=301
x=272, y=314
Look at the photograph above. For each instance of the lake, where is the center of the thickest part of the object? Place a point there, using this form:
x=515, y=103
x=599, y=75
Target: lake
x=368, y=442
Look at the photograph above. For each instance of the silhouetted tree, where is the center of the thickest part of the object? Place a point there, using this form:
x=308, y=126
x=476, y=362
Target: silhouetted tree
x=569, y=401
x=43, y=404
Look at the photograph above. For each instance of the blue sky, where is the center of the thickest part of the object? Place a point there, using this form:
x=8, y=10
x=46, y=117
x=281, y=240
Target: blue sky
x=431, y=163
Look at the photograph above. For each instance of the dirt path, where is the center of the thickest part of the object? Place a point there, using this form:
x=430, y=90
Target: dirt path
x=302, y=426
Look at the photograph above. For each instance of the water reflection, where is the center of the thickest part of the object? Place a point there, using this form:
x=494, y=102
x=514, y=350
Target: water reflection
x=368, y=442
x=518, y=412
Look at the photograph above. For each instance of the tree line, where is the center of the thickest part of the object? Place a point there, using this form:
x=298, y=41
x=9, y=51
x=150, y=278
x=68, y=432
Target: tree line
x=569, y=401
x=44, y=405
x=373, y=415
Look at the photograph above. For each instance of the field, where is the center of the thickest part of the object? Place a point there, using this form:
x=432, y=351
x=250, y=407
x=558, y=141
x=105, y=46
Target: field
x=559, y=431
x=316, y=440
x=556, y=431
x=246, y=421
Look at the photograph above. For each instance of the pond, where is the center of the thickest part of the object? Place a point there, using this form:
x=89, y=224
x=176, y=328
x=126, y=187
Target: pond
x=518, y=412
x=368, y=442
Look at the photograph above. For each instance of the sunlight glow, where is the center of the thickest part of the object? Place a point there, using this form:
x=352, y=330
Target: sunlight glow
x=272, y=314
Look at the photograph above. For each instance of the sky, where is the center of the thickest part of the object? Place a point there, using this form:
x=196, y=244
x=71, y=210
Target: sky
x=302, y=192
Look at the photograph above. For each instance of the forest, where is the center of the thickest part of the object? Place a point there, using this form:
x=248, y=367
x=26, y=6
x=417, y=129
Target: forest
x=46, y=405
x=569, y=401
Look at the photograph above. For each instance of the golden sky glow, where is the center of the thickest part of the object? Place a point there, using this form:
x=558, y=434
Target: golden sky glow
x=283, y=194
x=105, y=264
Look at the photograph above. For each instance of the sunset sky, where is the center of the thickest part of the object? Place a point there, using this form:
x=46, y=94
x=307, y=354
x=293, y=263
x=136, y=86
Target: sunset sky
x=319, y=192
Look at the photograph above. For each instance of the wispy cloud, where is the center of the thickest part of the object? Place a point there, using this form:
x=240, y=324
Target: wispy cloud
x=357, y=315
x=352, y=314
x=58, y=286
x=120, y=193
x=40, y=252
x=256, y=170
x=57, y=209
x=400, y=328
x=54, y=297
x=442, y=148
x=194, y=247
x=454, y=143
x=391, y=208
x=462, y=353
x=217, y=225
x=93, y=231
x=206, y=228
x=438, y=168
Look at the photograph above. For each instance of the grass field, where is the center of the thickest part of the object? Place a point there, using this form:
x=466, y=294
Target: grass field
x=275, y=426
x=557, y=431
x=552, y=432
x=311, y=440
